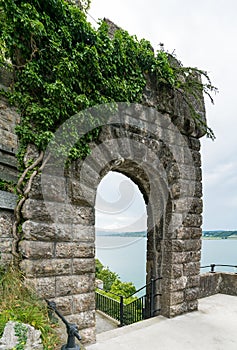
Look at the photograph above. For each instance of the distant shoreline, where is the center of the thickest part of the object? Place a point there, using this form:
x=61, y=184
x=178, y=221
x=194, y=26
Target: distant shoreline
x=207, y=235
x=220, y=238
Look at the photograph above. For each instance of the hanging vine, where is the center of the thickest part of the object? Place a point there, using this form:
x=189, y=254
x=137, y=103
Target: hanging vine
x=62, y=66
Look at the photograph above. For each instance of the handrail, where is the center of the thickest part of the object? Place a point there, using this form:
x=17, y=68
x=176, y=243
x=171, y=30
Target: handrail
x=129, y=296
x=128, y=309
x=212, y=266
x=146, y=285
x=72, y=329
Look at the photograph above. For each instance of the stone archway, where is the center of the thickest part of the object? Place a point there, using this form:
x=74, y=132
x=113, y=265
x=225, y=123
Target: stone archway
x=163, y=159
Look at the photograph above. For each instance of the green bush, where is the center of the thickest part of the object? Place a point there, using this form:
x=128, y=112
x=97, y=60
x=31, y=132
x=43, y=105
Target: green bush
x=20, y=303
x=112, y=285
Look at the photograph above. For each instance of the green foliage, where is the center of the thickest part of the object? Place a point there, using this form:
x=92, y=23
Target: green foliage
x=98, y=267
x=19, y=303
x=113, y=286
x=104, y=274
x=63, y=66
x=123, y=288
x=21, y=333
x=7, y=186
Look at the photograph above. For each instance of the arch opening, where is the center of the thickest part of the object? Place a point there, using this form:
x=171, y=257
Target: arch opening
x=121, y=228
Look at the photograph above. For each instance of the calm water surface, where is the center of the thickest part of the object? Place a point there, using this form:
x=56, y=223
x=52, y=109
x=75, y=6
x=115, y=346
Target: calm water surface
x=127, y=255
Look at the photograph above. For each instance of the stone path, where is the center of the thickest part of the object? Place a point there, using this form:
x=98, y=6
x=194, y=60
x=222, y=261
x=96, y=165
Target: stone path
x=213, y=327
x=104, y=324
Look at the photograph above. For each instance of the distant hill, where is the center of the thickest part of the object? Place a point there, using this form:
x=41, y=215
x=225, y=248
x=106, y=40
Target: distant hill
x=121, y=234
x=219, y=234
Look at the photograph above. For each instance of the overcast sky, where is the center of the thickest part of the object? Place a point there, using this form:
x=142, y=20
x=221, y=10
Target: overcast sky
x=202, y=34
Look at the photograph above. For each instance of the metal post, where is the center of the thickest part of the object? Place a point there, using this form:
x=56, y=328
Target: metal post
x=72, y=329
x=121, y=311
x=212, y=268
x=152, y=301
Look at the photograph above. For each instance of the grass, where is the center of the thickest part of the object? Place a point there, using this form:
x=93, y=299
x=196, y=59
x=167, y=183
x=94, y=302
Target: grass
x=20, y=303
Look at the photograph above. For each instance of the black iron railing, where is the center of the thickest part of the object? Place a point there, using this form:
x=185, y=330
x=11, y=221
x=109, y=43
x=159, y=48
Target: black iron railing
x=72, y=329
x=109, y=306
x=213, y=266
x=127, y=313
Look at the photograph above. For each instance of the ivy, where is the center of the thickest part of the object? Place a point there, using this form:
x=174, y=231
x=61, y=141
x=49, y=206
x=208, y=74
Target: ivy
x=8, y=186
x=63, y=66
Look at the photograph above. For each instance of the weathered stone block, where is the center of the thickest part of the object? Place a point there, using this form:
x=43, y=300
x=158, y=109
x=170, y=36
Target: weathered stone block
x=176, y=271
x=191, y=268
x=5, y=245
x=56, y=232
x=45, y=286
x=193, y=281
x=6, y=258
x=46, y=267
x=76, y=284
x=209, y=284
x=191, y=294
x=176, y=298
x=83, y=302
x=178, y=283
x=179, y=309
x=83, y=319
x=6, y=222
x=64, y=305
x=50, y=188
x=36, y=249
x=7, y=158
x=193, y=220
x=8, y=173
x=192, y=305
x=228, y=283
x=39, y=210
x=7, y=200
x=57, y=212
x=81, y=266
x=39, y=231
x=183, y=233
x=75, y=250
x=83, y=233
x=8, y=139
x=80, y=193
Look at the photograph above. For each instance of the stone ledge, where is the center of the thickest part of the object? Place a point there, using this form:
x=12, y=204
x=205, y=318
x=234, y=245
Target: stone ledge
x=217, y=282
x=7, y=149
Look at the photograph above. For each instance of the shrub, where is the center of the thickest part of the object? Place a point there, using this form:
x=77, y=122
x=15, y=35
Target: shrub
x=20, y=303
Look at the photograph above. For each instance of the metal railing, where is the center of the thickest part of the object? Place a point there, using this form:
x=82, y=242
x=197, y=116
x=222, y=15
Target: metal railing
x=72, y=329
x=127, y=313
x=109, y=306
x=213, y=266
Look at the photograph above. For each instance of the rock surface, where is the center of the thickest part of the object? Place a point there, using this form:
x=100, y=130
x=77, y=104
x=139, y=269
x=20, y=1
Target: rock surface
x=9, y=339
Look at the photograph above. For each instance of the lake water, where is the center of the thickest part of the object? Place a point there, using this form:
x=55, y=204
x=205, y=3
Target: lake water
x=127, y=255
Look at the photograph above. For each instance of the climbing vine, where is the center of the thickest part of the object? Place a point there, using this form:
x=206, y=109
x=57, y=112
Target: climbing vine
x=62, y=65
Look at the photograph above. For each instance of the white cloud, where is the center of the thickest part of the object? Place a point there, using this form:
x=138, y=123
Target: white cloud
x=119, y=205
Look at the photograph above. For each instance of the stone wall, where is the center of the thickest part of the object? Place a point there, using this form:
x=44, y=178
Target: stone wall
x=157, y=145
x=218, y=282
x=58, y=248
x=8, y=167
